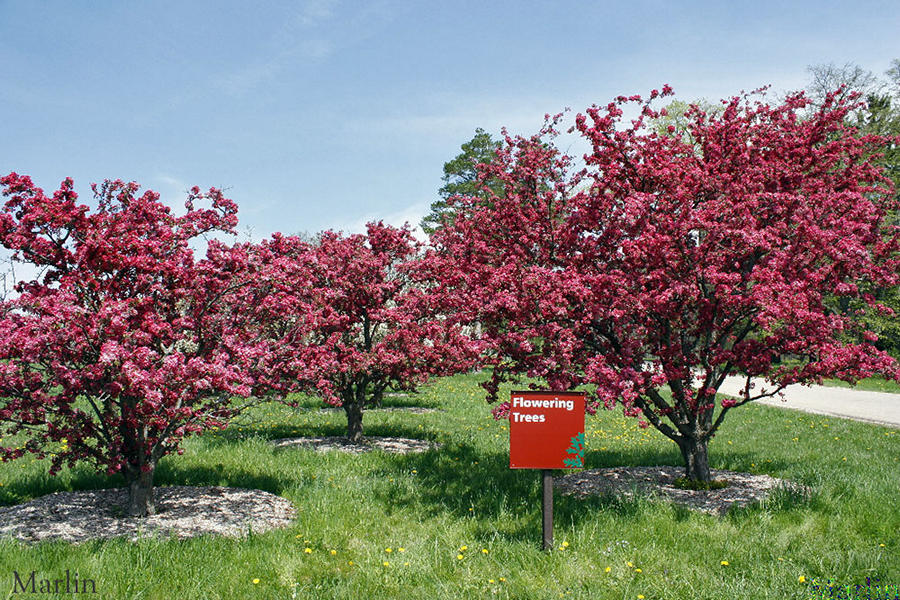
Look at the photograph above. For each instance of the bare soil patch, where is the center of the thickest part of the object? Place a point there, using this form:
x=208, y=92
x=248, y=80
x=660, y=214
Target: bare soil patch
x=743, y=489
x=394, y=445
x=182, y=512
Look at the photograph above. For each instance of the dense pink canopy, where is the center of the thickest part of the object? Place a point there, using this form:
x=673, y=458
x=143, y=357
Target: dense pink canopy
x=673, y=261
x=353, y=318
x=124, y=343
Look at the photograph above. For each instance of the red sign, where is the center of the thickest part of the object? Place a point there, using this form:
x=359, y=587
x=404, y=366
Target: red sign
x=546, y=430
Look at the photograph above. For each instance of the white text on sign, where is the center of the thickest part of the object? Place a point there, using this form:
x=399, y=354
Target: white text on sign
x=519, y=402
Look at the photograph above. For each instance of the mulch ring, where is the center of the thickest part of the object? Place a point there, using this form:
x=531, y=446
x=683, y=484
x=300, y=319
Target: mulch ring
x=743, y=489
x=394, y=445
x=182, y=512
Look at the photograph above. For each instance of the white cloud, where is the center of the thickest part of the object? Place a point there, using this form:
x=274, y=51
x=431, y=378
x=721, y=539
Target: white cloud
x=411, y=214
x=316, y=49
x=299, y=39
x=315, y=11
x=456, y=119
x=172, y=191
x=248, y=77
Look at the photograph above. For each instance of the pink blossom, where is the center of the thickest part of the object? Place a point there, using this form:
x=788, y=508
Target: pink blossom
x=670, y=262
x=121, y=304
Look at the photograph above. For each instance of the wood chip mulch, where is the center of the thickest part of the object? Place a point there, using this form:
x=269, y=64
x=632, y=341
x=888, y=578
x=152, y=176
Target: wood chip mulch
x=182, y=512
x=394, y=445
x=743, y=489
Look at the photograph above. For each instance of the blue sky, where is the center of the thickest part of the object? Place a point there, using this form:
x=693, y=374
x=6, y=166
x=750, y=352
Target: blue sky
x=325, y=114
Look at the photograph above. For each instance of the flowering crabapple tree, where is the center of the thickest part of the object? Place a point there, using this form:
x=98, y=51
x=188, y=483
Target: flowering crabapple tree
x=669, y=262
x=360, y=320
x=279, y=312
x=124, y=344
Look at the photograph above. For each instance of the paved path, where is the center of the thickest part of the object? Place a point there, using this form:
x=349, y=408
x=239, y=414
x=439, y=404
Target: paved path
x=874, y=407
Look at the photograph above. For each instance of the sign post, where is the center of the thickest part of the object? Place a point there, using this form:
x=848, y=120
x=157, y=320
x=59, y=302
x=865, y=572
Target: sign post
x=547, y=508
x=546, y=432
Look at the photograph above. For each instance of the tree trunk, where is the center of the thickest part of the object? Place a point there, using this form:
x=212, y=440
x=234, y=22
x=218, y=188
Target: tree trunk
x=354, y=410
x=696, y=458
x=140, y=491
x=377, y=397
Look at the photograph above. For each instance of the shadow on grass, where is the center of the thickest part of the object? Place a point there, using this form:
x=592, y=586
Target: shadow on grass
x=504, y=501
x=219, y=475
x=406, y=400
x=26, y=488
x=465, y=483
x=234, y=435
x=462, y=481
x=781, y=499
x=392, y=428
x=167, y=474
x=733, y=460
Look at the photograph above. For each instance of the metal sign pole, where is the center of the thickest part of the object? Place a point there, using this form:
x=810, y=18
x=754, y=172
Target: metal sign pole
x=547, y=507
x=546, y=432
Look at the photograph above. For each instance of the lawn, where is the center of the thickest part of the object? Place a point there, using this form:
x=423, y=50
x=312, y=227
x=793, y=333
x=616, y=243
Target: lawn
x=870, y=384
x=458, y=523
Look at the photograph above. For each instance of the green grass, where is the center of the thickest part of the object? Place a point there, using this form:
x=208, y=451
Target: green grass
x=683, y=483
x=870, y=384
x=352, y=509
x=875, y=383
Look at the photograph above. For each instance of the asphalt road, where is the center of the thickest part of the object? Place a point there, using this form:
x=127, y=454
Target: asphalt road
x=873, y=407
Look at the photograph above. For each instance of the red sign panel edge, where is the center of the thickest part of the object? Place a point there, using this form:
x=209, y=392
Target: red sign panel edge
x=548, y=435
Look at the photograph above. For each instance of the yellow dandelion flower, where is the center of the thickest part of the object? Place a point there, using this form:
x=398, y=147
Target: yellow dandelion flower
x=640, y=597
x=333, y=552
x=401, y=549
x=491, y=581
x=463, y=548
x=801, y=579
x=255, y=581
x=406, y=564
x=386, y=564
x=565, y=544
x=308, y=550
x=485, y=550
x=350, y=562
x=630, y=564
x=503, y=579
x=388, y=550
x=638, y=571
x=724, y=563
x=459, y=557
x=607, y=569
